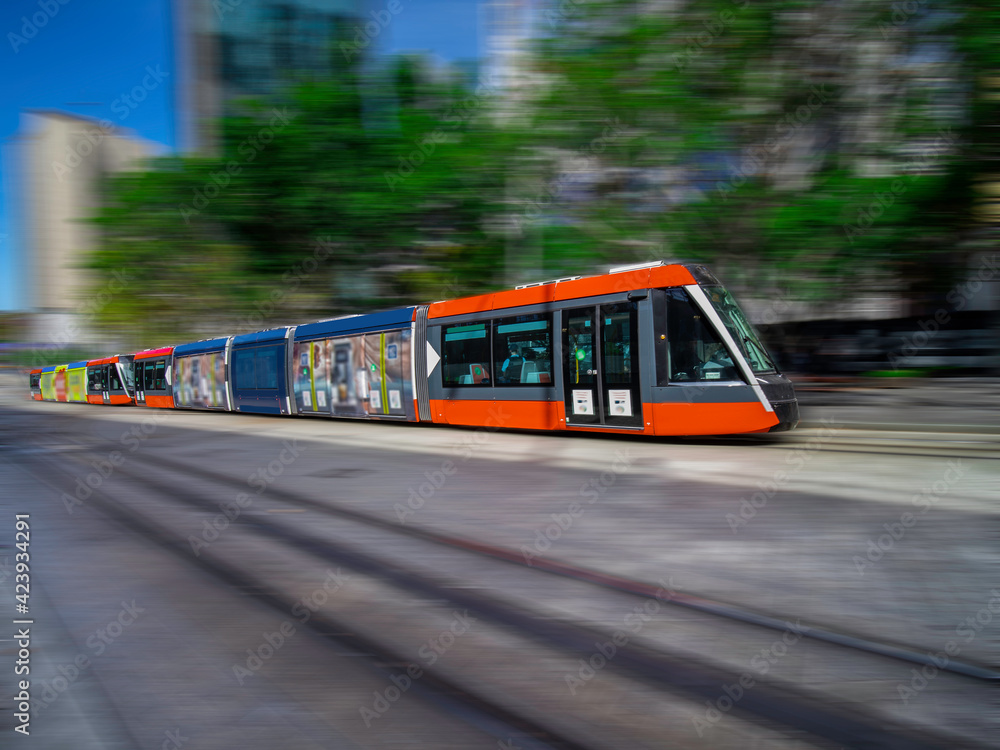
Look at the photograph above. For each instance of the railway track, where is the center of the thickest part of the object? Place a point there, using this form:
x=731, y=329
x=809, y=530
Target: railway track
x=486, y=715
x=919, y=441
x=516, y=559
x=916, y=439
x=552, y=606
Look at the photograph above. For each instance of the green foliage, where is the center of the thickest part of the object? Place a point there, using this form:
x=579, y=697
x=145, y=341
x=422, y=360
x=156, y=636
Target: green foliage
x=344, y=199
x=809, y=142
x=31, y=358
x=775, y=150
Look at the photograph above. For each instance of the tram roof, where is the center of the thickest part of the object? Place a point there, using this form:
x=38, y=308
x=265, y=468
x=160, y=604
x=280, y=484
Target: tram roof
x=386, y=320
x=201, y=347
x=626, y=278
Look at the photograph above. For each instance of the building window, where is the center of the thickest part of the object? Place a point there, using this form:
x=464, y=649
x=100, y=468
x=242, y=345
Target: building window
x=466, y=360
x=522, y=350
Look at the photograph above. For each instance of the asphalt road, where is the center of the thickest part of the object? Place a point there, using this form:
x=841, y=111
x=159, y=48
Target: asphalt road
x=854, y=524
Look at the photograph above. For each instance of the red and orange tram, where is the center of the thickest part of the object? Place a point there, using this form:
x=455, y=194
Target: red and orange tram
x=654, y=349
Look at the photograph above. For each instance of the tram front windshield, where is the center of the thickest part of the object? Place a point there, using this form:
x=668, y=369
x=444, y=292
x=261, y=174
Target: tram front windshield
x=127, y=372
x=740, y=329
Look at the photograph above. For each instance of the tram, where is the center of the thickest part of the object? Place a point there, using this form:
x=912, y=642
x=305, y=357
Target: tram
x=652, y=349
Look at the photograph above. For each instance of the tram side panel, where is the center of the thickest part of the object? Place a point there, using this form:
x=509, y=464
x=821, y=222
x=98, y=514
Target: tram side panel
x=76, y=382
x=60, y=382
x=153, y=378
x=357, y=366
x=47, y=385
x=564, y=355
x=390, y=392
x=107, y=382
x=312, y=388
x=496, y=369
x=362, y=375
x=199, y=381
x=200, y=375
x=332, y=377
x=258, y=372
x=541, y=358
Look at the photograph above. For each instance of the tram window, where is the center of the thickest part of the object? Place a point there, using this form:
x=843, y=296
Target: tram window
x=160, y=380
x=36, y=379
x=114, y=382
x=466, y=359
x=522, y=350
x=267, y=368
x=695, y=351
x=740, y=329
x=579, y=346
x=619, y=351
x=243, y=365
x=149, y=376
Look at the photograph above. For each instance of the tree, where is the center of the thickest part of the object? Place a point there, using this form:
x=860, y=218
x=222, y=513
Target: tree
x=814, y=142
x=354, y=194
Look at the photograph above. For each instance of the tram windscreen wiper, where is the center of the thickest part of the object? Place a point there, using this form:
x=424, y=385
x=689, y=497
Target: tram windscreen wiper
x=762, y=353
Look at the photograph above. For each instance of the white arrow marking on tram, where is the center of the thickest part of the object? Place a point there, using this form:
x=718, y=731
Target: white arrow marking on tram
x=432, y=358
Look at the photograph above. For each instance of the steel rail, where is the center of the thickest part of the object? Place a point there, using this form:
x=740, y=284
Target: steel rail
x=784, y=703
x=476, y=709
x=902, y=652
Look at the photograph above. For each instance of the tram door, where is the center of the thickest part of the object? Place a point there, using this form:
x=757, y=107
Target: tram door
x=106, y=383
x=601, y=365
x=140, y=383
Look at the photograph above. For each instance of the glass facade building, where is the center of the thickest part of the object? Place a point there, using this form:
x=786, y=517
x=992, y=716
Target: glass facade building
x=228, y=49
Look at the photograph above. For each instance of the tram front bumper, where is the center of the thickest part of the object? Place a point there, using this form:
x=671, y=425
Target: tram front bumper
x=787, y=413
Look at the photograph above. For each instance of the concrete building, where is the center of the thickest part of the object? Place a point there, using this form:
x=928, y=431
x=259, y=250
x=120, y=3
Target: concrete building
x=60, y=160
x=226, y=49
x=511, y=28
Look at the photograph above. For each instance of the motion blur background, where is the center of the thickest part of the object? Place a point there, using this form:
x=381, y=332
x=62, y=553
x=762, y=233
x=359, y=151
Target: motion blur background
x=174, y=170
x=178, y=169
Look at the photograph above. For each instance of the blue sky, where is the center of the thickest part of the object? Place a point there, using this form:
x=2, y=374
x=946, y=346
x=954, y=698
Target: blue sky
x=89, y=53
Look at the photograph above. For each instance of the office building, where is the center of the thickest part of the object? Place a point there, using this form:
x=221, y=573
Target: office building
x=59, y=161
x=228, y=49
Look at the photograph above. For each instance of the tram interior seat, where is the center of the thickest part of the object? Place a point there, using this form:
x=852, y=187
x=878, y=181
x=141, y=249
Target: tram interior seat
x=531, y=374
x=477, y=374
